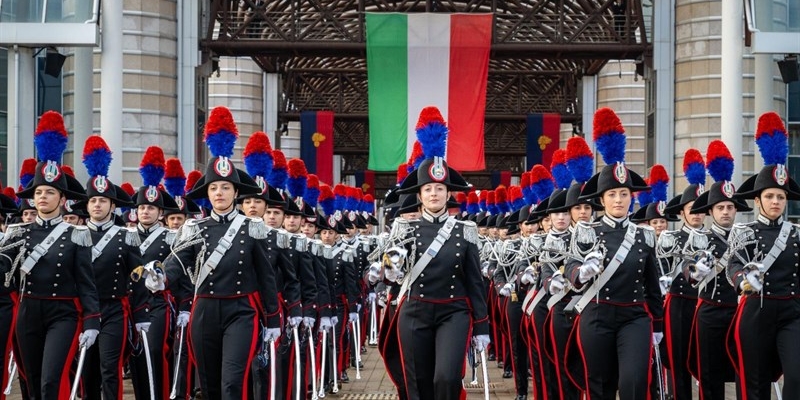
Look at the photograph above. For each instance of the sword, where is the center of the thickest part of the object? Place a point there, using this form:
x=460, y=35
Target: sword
x=485, y=375
x=322, y=365
x=777, y=390
x=373, y=325
x=335, y=361
x=149, y=365
x=356, y=334
x=12, y=370
x=75, y=384
x=297, y=363
x=313, y=357
x=174, y=392
x=661, y=388
x=474, y=365
x=272, y=369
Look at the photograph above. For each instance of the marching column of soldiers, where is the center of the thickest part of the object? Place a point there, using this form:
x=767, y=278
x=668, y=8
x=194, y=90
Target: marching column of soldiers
x=263, y=282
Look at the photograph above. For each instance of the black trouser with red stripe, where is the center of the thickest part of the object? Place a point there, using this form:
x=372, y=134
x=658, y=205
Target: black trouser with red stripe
x=7, y=303
x=714, y=364
x=102, y=371
x=560, y=327
x=224, y=334
x=678, y=329
x=47, y=332
x=767, y=336
x=160, y=341
x=433, y=343
x=546, y=382
x=519, y=353
x=615, y=342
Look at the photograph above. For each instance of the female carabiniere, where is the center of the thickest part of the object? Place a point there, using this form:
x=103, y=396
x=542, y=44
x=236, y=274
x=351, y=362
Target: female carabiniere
x=225, y=258
x=442, y=301
x=614, y=270
x=763, y=267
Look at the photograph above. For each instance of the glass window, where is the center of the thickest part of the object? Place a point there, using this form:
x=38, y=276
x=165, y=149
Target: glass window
x=794, y=102
x=3, y=111
x=49, y=89
x=794, y=163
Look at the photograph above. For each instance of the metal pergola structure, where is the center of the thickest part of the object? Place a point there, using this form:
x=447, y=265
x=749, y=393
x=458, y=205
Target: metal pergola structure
x=540, y=50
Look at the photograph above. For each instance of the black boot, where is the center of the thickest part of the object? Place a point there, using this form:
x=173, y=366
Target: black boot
x=344, y=378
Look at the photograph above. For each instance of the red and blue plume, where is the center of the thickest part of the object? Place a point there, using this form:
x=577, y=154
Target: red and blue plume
x=312, y=191
x=771, y=138
x=174, y=178
x=402, y=173
x=152, y=166
x=192, y=179
x=527, y=190
x=719, y=161
x=326, y=200
x=659, y=180
x=50, y=137
x=128, y=188
x=278, y=176
x=257, y=155
x=542, y=182
x=221, y=132
x=644, y=198
x=340, y=196
x=609, y=135
x=368, y=204
x=461, y=198
x=501, y=199
x=517, y=198
x=558, y=168
x=27, y=172
x=483, y=199
x=11, y=194
x=694, y=168
x=491, y=204
x=96, y=156
x=472, y=203
x=580, y=160
x=431, y=132
x=353, y=199
x=298, y=178
x=417, y=156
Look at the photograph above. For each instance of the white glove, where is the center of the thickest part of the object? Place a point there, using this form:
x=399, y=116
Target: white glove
x=358, y=307
x=529, y=276
x=589, y=269
x=754, y=279
x=183, y=319
x=154, y=277
x=485, y=269
x=334, y=320
x=557, y=284
x=392, y=275
x=271, y=334
x=701, y=271
x=374, y=273
x=309, y=322
x=352, y=317
x=87, y=338
x=142, y=327
x=325, y=324
x=295, y=321
x=666, y=282
x=371, y=297
x=480, y=342
x=505, y=291
x=657, y=336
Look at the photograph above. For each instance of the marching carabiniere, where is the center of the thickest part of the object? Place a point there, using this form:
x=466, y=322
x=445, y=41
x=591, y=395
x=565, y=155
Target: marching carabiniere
x=115, y=255
x=614, y=268
x=58, y=297
x=763, y=267
x=681, y=301
x=708, y=357
x=225, y=258
x=442, y=300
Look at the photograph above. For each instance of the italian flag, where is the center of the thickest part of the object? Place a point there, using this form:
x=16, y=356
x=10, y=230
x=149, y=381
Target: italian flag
x=419, y=60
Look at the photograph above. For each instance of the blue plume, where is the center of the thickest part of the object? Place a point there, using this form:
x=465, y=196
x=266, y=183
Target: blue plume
x=50, y=146
x=561, y=175
x=644, y=198
x=351, y=204
x=277, y=178
x=297, y=186
x=543, y=188
x=258, y=164
x=696, y=173
x=312, y=196
x=774, y=148
x=493, y=209
x=581, y=168
x=221, y=143
x=432, y=137
x=612, y=147
x=328, y=206
x=527, y=194
x=658, y=191
x=175, y=186
x=473, y=208
x=518, y=203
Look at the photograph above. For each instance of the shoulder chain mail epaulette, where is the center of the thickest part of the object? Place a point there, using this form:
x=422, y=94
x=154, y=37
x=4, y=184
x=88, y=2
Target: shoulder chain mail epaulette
x=81, y=236
x=470, y=232
x=132, y=237
x=257, y=229
x=585, y=233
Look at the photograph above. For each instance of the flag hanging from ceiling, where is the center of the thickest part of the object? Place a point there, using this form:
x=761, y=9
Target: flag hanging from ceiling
x=366, y=181
x=543, y=133
x=316, y=143
x=501, y=178
x=418, y=60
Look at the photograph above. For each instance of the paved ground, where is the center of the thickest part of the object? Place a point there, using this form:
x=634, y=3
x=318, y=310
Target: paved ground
x=376, y=385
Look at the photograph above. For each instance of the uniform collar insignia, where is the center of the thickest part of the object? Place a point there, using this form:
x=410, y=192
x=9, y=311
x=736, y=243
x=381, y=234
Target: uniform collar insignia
x=720, y=230
x=101, y=227
x=48, y=223
x=615, y=223
x=768, y=222
x=224, y=218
